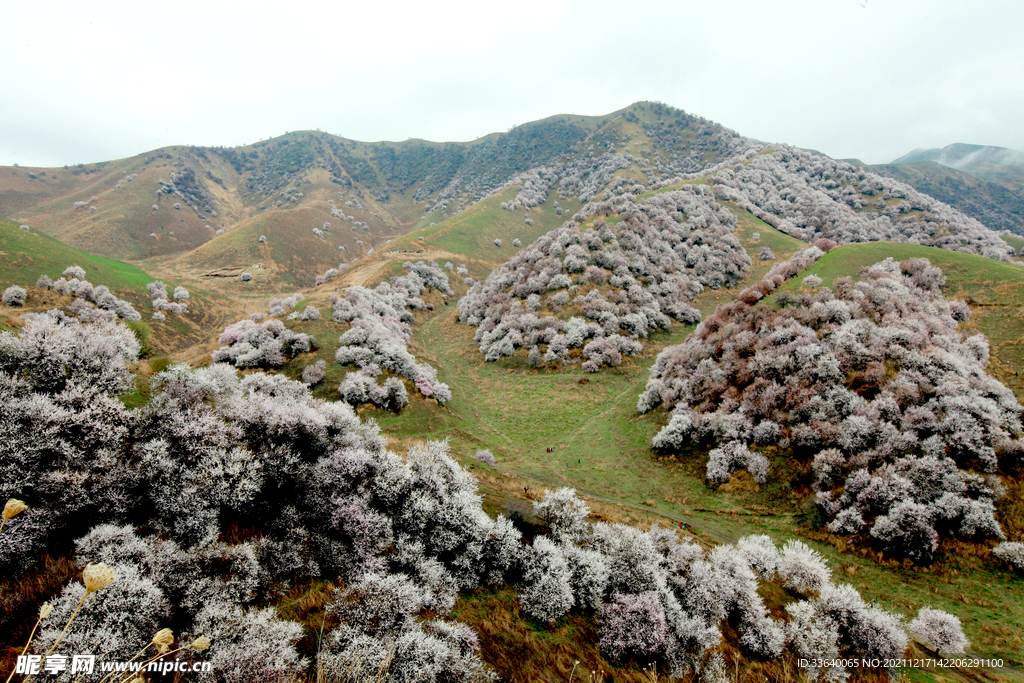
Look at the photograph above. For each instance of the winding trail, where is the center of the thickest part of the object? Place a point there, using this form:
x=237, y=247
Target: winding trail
x=364, y=271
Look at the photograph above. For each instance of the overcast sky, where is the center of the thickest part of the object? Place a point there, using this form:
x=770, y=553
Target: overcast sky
x=873, y=79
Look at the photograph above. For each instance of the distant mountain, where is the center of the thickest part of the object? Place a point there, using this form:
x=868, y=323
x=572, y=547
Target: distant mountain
x=988, y=163
x=984, y=182
x=320, y=198
x=999, y=205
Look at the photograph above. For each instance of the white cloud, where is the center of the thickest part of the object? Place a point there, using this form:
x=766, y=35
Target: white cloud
x=866, y=78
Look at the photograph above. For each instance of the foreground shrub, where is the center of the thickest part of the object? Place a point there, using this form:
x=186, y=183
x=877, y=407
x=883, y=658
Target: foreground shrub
x=939, y=629
x=633, y=625
x=14, y=296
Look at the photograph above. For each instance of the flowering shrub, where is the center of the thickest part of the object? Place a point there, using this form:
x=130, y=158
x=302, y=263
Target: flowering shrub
x=315, y=373
x=379, y=630
x=839, y=624
x=485, y=456
x=802, y=569
x=565, y=513
x=124, y=616
x=158, y=292
x=362, y=387
x=250, y=645
x=1011, y=553
x=14, y=296
x=870, y=381
x=246, y=344
x=633, y=625
x=939, y=629
x=547, y=591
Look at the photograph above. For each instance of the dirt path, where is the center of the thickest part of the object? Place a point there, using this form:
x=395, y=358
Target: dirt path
x=364, y=271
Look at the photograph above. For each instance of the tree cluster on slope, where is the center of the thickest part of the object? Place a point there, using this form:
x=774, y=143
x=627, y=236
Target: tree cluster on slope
x=624, y=280
x=811, y=196
x=268, y=344
x=872, y=382
x=377, y=338
x=1000, y=207
x=497, y=162
x=689, y=143
x=330, y=273
x=158, y=291
x=277, y=164
x=278, y=306
x=585, y=168
x=15, y=296
x=90, y=303
x=186, y=186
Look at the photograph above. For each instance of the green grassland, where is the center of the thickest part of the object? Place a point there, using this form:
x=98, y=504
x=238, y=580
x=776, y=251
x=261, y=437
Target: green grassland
x=1014, y=241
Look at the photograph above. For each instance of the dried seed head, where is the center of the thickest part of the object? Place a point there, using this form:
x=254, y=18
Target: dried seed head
x=44, y=610
x=97, y=577
x=201, y=643
x=14, y=507
x=163, y=639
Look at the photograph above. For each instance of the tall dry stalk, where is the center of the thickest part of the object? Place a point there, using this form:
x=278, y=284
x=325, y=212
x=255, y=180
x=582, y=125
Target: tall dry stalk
x=96, y=577
x=44, y=611
x=354, y=666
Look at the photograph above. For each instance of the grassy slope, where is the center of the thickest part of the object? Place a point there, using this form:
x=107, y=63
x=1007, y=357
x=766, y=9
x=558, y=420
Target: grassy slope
x=24, y=256
x=27, y=255
x=1015, y=242
x=124, y=221
x=472, y=233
